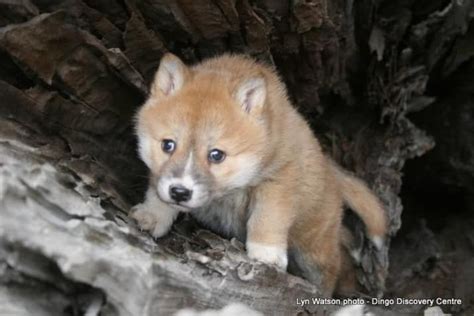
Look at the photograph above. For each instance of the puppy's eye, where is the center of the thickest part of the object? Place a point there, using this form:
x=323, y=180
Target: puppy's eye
x=216, y=156
x=168, y=146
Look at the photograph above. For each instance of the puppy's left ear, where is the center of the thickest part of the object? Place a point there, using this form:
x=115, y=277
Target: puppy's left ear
x=251, y=95
x=170, y=77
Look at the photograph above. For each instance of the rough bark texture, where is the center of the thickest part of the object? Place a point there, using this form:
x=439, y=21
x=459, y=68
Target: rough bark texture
x=72, y=73
x=92, y=257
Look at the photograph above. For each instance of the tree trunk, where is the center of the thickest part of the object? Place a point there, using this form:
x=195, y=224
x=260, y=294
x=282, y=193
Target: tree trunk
x=73, y=73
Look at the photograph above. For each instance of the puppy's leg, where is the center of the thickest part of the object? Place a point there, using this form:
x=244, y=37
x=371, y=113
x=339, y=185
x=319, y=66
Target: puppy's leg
x=269, y=223
x=154, y=215
x=347, y=283
x=330, y=267
x=321, y=265
x=318, y=250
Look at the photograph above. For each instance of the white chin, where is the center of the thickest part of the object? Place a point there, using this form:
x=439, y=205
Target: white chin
x=180, y=208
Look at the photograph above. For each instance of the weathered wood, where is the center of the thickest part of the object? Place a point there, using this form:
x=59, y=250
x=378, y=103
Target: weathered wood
x=54, y=232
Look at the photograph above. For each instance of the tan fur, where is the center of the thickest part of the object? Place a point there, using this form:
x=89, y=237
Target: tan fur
x=285, y=193
x=360, y=199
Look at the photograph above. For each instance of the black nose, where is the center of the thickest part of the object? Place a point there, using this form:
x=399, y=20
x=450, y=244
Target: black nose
x=180, y=193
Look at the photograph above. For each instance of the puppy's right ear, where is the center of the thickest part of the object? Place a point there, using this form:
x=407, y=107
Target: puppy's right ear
x=170, y=76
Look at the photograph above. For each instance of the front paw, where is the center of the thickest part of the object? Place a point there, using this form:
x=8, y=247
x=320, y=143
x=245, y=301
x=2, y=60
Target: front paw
x=149, y=221
x=273, y=255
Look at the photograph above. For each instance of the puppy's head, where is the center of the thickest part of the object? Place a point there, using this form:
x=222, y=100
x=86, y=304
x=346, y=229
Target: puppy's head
x=202, y=132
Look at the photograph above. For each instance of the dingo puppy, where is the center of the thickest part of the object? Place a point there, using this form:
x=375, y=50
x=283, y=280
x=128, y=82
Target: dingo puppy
x=223, y=142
